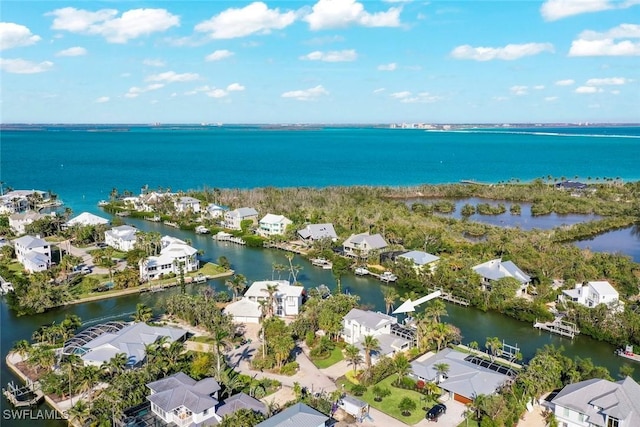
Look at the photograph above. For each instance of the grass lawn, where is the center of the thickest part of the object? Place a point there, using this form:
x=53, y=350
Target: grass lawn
x=335, y=357
x=389, y=404
x=210, y=269
x=469, y=423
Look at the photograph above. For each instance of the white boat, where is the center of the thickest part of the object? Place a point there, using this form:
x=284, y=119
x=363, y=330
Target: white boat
x=201, y=229
x=388, y=276
x=321, y=262
x=361, y=271
x=102, y=203
x=6, y=287
x=628, y=353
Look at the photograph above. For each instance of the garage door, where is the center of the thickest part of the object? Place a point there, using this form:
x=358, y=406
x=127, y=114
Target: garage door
x=461, y=399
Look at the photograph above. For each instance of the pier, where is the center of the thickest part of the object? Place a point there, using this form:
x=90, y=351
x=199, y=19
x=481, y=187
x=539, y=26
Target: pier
x=25, y=396
x=285, y=246
x=171, y=224
x=559, y=327
x=226, y=237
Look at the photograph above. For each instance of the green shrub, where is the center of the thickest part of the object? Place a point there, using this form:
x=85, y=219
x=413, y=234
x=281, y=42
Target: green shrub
x=290, y=368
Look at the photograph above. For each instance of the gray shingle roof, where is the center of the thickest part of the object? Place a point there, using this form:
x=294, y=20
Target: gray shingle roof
x=298, y=415
x=240, y=401
x=318, y=231
x=374, y=241
x=181, y=390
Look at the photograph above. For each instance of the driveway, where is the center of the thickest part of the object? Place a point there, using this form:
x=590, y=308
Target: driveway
x=453, y=417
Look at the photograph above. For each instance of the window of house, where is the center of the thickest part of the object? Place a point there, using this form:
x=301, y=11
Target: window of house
x=565, y=412
x=612, y=422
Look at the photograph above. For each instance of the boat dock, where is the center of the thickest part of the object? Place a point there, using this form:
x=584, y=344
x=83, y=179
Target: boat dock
x=321, y=262
x=454, y=299
x=171, y=224
x=226, y=237
x=559, y=327
x=285, y=246
x=25, y=396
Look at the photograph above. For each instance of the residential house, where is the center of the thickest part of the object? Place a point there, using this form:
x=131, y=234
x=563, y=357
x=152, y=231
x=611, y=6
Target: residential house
x=598, y=402
x=391, y=336
x=240, y=401
x=184, y=401
x=187, y=204
x=33, y=253
x=287, y=298
x=122, y=238
x=298, y=415
x=421, y=260
x=18, y=221
x=363, y=245
x=18, y=200
x=174, y=255
x=464, y=380
x=100, y=343
x=273, y=225
x=495, y=269
x=86, y=218
x=234, y=218
x=591, y=294
x=314, y=232
x=244, y=310
x=214, y=211
x=571, y=185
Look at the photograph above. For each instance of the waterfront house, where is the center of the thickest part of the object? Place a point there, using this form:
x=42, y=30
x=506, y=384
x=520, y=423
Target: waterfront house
x=314, y=232
x=363, y=245
x=287, y=298
x=496, y=269
x=590, y=294
x=598, y=402
x=174, y=255
x=184, y=401
x=463, y=380
x=18, y=221
x=421, y=260
x=21, y=200
x=233, y=219
x=122, y=238
x=213, y=211
x=298, y=415
x=273, y=225
x=33, y=253
x=85, y=219
x=571, y=185
x=147, y=202
x=391, y=336
x=240, y=401
x=100, y=343
x=187, y=204
x=244, y=311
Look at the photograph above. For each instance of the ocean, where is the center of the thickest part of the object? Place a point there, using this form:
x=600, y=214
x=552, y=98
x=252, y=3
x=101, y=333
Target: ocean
x=82, y=164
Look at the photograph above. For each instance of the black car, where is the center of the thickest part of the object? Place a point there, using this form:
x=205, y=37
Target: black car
x=434, y=413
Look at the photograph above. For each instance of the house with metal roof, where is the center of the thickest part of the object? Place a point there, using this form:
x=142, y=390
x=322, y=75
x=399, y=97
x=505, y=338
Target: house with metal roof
x=18, y=221
x=465, y=378
x=391, y=336
x=364, y=244
x=174, y=255
x=273, y=225
x=122, y=238
x=496, y=269
x=298, y=415
x=184, y=401
x=234, y=218
x=241, y=401
x=314, y=232
x=244, y=311
x=591, y=294
x=33, y=253
x=598, y=402
x=85, y=219
x=420, y=260
x=187, y=204
x=287, y=298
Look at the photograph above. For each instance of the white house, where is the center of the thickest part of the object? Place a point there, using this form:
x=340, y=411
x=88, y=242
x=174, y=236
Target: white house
x=495, y=269
x=173, y=256
x=86, y=218
x=421, y=260
x=214, y=211
x=272, y=225
x=184, y=401
x=187, y=204
x=314, y=232
x=122, y=238
x=18, y=200
x=18, y=221
x=288, y=298
x=298, y=415
x=244, y=311
x=390, y=335
x=363, y=244
x=33, y=253
x=233, y=219
x=598, y=402
x=590, y=294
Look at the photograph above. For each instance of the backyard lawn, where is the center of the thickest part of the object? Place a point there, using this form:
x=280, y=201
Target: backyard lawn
x=335, y=357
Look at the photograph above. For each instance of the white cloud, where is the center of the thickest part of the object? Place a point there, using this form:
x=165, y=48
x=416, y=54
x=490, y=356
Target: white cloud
x=538, y=87
x=379, y=90
x=15, y=35
x=154, y=62
x=608, y=43
x=507, y=53
x=409, y=98
x=135, y=91
x=612, y=81
x=551, y=98
x=255, y=18
x=401, y=95
x=102, y=100
x=553, y=10
x=217, y=93
x=332, y=56
x=588, y=89
x=21, y=66
x=519, y=90
x=388, y=67
x=306, y=94
x=130, y=25
x=343, y=13
x=565, y=82
x=73, y=51
x=219, y=55
x=172, y=77
x=235, y=87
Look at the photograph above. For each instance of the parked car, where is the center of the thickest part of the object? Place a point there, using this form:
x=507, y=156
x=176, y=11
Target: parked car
x=434, y=413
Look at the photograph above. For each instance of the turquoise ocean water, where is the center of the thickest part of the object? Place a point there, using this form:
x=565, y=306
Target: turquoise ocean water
x=83, y=163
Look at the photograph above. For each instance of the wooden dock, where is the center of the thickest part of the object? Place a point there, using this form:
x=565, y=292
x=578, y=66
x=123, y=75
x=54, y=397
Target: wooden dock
x=456, y=300
x=285, y=247
x=226, y=237
x=171, y=224
x=559, y=327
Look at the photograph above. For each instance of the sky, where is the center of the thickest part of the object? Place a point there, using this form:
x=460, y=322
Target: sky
x=320, y=61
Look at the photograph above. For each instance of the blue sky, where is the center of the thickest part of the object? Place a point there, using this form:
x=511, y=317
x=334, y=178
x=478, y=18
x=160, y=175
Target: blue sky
x=320, y=61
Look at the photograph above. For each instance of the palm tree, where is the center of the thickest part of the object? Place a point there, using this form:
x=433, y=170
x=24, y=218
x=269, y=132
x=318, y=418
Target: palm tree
x=435, y=310
x=221, y=339
x=271, y=290
x=70, y=363
x=238, y=284
x=390, y=296
x=401, y=366
x=442, y=369
x=89, y=375
x=353, y=356
x=369, y=344
x=116, y=365
x=494, y=347
x=143, y=313
x=80, y=412
x=22, y=348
